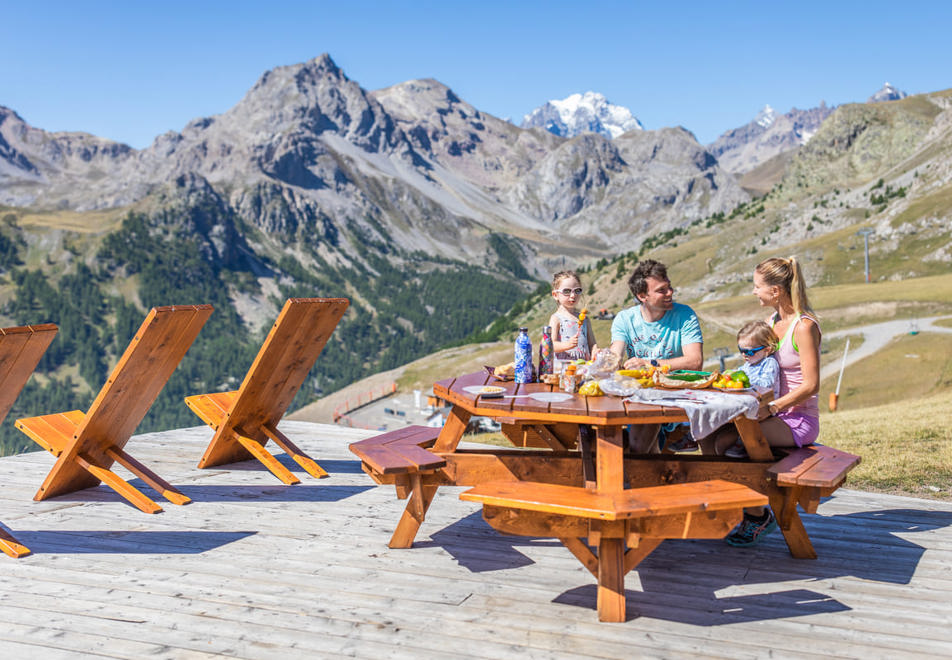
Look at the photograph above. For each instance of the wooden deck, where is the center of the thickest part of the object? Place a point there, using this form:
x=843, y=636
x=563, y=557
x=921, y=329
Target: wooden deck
x=256, y=569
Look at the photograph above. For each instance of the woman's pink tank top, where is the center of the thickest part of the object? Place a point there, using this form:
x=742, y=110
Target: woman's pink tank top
x=791, y=375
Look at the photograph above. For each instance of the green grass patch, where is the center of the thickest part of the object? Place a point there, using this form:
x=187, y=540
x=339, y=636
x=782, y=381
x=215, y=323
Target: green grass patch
x=906, y=447
x=910, y=368
x=74, y=221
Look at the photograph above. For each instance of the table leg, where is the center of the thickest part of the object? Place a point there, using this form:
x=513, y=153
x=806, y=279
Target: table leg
x=586, y=447
x=452, y=431
x=753, y=438
x=611, y=580
x=610, y=478
x=609, y=459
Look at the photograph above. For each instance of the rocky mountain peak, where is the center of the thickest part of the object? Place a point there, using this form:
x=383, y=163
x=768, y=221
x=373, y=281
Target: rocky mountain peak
x=590, y=112
x=314, y=96
x=765, y=117
x=767, y=135
x=887, y=93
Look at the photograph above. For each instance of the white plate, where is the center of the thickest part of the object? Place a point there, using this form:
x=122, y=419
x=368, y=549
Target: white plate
x=494, y=390
x=550, y=397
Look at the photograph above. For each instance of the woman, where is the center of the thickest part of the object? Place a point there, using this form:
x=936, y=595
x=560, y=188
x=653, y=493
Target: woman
x=794, y=419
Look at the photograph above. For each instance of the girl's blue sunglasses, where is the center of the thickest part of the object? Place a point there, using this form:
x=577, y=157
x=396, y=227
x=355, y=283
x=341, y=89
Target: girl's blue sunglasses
x=750, y=352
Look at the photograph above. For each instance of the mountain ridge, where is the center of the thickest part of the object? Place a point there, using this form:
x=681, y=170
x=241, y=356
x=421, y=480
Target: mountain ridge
x=311, y=136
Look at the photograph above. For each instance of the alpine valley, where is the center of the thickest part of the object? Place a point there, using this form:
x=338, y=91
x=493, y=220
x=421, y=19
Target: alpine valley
x=435, y=218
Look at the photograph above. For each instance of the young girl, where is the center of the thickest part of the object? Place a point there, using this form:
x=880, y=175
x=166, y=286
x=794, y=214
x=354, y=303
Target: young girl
x=571, y=340
x=757, y=342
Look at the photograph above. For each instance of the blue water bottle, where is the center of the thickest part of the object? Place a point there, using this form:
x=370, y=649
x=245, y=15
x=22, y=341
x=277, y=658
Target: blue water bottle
x=523, y=357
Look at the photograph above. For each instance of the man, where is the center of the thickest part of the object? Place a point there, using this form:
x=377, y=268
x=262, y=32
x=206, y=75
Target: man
x=656, y=332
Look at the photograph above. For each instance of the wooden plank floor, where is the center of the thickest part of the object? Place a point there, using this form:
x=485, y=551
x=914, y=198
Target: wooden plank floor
x=256, y=569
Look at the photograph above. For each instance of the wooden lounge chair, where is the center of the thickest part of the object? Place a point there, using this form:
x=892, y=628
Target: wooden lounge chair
x=244, y=420
x=87, y=444
x=20, y=351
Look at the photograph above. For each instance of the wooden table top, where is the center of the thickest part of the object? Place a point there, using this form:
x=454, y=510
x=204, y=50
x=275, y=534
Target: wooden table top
x=597, y=410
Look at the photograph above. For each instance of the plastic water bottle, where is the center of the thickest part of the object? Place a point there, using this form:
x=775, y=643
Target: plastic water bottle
x=546, y=351
x=523, y=357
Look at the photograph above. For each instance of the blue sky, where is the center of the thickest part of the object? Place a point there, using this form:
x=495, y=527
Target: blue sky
x=130, y=71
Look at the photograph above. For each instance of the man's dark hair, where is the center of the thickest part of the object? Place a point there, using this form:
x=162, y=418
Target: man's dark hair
x=638, y=283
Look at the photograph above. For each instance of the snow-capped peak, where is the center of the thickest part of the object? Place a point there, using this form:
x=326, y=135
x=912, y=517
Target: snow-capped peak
x=887, y=93
x=766, y=116
x=583, y=113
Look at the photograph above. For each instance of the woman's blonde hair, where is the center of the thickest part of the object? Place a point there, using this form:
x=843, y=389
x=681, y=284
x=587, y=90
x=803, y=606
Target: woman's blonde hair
x=759, y=333
x=786, y=274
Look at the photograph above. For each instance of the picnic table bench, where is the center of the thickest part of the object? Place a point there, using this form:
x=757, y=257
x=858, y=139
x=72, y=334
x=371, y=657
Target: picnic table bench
x=402, y=458
x=638, y=518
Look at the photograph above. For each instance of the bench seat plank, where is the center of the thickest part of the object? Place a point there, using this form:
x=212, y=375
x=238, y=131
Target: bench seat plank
x=713, y=495
x=814, y=466
x=401, y=451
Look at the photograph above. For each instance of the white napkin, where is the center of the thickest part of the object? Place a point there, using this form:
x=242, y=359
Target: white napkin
x=706, y=410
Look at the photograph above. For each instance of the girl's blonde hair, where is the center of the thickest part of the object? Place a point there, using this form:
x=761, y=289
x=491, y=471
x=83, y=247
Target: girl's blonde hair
x=760, y=333
x=561, y=275
x=786, y=274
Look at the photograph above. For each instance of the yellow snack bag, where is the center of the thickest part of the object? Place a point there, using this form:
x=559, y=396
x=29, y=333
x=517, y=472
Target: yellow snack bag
x=591, y=388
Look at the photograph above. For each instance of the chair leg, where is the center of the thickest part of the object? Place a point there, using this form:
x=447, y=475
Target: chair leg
x=120, y=485
x=11, y=546
x=292, y=450
x=269, y=461
x=159, y=484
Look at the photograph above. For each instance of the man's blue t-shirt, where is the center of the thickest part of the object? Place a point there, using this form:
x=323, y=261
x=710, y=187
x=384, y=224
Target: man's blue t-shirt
x=663, y=338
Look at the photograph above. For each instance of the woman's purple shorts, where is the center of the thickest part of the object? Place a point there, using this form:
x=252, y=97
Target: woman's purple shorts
x=805, y=429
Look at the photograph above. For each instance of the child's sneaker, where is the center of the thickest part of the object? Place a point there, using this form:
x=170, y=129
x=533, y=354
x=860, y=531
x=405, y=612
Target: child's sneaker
x=687, y=443
x=752, y=531
x=736, y=450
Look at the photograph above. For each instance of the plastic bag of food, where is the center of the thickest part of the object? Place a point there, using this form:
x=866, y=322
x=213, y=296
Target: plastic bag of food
x=620, y=386
x=602, y=367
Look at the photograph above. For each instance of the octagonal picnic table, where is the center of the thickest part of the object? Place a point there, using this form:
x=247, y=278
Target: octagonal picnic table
x=575, y=488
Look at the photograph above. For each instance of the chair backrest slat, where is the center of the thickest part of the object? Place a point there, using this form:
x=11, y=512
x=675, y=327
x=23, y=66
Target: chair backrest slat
x=292, y=347
x=143, y=370
x=21, y=348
